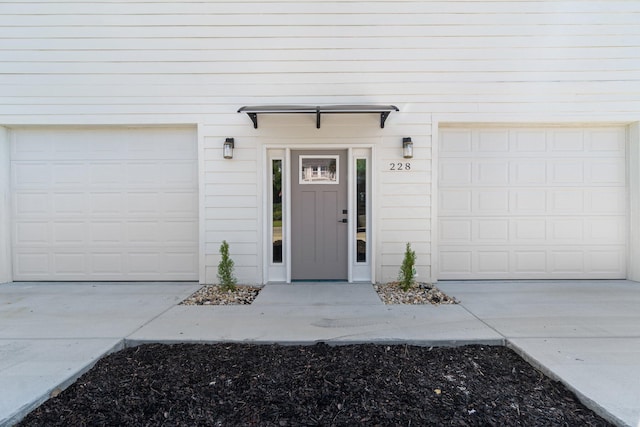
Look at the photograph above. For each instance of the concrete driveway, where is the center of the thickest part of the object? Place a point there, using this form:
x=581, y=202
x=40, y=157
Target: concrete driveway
x=51, y=333
x=584, y=333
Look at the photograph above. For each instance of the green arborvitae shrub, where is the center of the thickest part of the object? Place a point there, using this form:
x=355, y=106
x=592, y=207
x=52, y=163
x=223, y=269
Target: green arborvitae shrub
x=407, y=269
x=225, y=269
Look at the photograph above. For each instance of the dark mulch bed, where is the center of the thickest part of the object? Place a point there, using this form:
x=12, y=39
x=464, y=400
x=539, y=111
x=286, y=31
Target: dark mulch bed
x=270, y=385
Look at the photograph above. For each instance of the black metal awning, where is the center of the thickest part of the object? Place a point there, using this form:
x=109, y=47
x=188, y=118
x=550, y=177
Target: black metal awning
x=318, y=110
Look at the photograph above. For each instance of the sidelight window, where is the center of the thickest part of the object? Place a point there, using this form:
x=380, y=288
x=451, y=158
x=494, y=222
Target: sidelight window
x=361, y=210
x=276, y=211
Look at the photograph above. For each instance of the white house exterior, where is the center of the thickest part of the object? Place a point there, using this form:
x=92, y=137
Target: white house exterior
x=524, y=118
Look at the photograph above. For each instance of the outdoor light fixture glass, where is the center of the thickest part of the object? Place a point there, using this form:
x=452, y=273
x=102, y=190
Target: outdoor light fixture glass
x=227, y=148
x=407, y=148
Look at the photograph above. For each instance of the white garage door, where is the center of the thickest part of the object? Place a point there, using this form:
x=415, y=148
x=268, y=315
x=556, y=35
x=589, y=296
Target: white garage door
x=525, y=203
x=105, y=204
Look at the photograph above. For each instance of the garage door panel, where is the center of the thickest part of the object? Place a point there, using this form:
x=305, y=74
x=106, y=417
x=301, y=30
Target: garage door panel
x=528, y=141
x=70, y=264
x=33, y=263
x=32, y=233
x=180, y=203
x=142, y=203
x=566, y=231
x=31, y=175
x=69, y=204
x=179, y=174
x=611, y=141
x=179, y=264
x=528, y=201
x=452, y=230
x=494, y=201
x=567, y=141
x=105, y=204
x=109, y=264
x=528, y=172
x=606, y=201
x=144, y=263
x=491, y=172
x=599, y=230
x=549, y=203
x=104, y=174
x=143, y=174
x=489, y=142
x=454, y=202
x=529, y=262
x=142, y=143
x=528, y=230
x=606, y=260
x=70, y=233
x=454, y=172
x=180, y=232
x=491, y=231
x=107, y=232
x=567, y=202
x=454, y=141
x=143, y=232
x=32, y=204
x=609, y=172
x=567, y=172
x=567, y=261
x=160, y=144
x=494, y=261
x=456, y=261
x=605, y=230
x=69, y=174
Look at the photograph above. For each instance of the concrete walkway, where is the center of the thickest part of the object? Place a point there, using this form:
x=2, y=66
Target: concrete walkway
x=584, y=333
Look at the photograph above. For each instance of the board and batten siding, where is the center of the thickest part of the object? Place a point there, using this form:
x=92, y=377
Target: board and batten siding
x=173, y=62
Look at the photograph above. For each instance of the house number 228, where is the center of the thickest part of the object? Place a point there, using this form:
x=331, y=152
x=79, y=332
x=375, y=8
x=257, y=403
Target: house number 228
x=399, y=166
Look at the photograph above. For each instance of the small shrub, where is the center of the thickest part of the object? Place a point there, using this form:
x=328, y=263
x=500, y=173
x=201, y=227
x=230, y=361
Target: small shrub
x=407, y=269
x=225, y=269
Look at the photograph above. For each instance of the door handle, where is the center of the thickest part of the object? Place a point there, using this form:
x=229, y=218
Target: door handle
x=343, y=220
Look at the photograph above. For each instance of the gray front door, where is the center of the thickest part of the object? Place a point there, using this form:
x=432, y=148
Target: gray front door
x=318, y=215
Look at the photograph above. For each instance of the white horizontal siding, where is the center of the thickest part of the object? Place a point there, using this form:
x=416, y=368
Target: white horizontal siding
x=231, y=199
x=494, y=56
x=162, y=62
x=184, y=60
x=119, y=7
x=404, y=198
x=493, y=45
x=289, y=7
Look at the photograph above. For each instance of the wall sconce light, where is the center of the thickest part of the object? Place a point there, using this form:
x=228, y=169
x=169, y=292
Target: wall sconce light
x=407, y=148
x=227, y=148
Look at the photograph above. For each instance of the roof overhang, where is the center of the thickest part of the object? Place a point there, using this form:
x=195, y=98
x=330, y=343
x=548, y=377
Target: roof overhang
x=318, y=110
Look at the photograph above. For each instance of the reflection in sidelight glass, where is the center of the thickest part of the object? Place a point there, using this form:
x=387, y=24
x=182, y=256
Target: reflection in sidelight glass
x=276, y=210
x=361, y=210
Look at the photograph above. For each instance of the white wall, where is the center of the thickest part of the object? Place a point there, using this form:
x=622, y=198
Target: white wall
x=5, y=208
x=634, y=208
x=121, y=62
x=455, y=61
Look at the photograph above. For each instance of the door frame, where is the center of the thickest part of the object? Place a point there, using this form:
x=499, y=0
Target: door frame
x=281, y=272
x=319, y=209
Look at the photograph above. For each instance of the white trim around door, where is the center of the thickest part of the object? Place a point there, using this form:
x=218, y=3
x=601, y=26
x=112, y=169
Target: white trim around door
x=277, y=259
